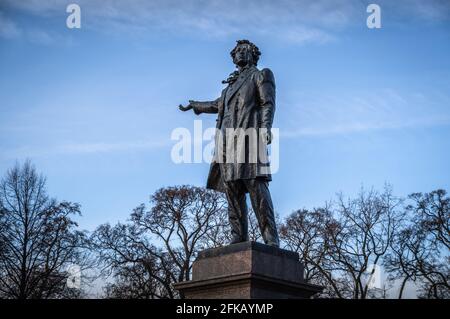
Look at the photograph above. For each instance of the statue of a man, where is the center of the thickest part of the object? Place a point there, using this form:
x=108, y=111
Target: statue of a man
x=247, y=103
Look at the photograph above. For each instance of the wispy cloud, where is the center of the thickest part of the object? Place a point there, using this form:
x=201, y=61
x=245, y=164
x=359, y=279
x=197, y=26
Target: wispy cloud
x=40, y=36
x=84, y=148
x=355, y=112
x=291, y=21
x=8, y=28
x=432, y=10
x=364, y=127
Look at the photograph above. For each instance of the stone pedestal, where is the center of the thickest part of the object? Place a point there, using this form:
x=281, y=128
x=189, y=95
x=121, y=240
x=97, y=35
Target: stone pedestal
x=247, y=270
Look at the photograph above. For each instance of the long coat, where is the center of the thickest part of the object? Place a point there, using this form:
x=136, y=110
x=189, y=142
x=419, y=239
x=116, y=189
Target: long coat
x=249, y=102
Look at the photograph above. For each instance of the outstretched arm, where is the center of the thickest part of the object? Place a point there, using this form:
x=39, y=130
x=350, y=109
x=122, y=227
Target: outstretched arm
x=201, y=107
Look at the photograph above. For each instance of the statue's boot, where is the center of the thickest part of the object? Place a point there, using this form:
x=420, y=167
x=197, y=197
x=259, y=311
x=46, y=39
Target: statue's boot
x=271, y=237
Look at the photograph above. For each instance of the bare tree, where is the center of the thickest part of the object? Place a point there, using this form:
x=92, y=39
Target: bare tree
x=181, y=221
x=305, y=233
x=133, y=281
x=420, y=252
x=39, y=238
x=341, y=243
x=367, y=226
x=140, y=270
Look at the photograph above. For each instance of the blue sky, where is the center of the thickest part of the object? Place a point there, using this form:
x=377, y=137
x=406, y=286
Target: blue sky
x=94, y=108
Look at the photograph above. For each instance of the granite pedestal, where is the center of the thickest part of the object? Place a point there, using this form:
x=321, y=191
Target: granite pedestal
x=247, y=270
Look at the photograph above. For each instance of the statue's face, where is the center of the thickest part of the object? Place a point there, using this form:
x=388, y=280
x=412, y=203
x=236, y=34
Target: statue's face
x=243, y=55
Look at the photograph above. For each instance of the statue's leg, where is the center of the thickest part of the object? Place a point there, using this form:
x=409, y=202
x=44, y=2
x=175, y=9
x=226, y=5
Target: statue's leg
x=263, y=207
x=237, y=211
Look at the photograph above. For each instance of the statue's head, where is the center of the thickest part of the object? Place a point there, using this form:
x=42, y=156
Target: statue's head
x=245, y=53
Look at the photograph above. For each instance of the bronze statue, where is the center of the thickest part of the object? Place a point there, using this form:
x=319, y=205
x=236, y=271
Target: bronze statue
x=246, y=104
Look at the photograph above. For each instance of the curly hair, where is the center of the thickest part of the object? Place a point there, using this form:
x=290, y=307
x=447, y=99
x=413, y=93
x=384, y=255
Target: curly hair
x=255, y=50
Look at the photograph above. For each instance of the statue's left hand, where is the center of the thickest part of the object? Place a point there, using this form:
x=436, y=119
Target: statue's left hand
x=267, y=137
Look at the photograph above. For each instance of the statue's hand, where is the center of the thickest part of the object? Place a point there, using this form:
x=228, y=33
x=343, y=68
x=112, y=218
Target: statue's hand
x=267, y=137
x=187, y=107
x=184, y=108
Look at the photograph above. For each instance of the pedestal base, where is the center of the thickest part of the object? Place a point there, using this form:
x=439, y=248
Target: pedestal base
x=247, y=270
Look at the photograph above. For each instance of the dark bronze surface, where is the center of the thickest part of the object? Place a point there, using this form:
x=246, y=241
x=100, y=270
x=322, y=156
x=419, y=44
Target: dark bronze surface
x=248, y=101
